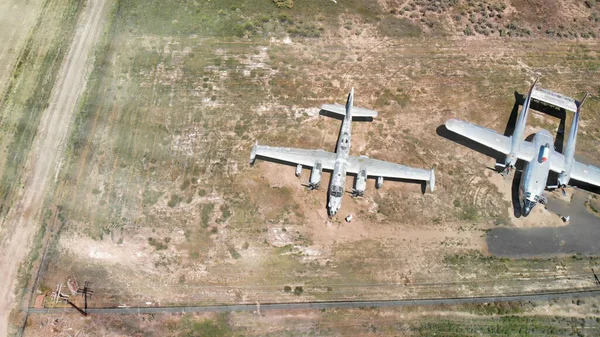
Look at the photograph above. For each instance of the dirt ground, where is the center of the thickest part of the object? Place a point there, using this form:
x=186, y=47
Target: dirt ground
x=561, y=318
x=149, y=195
x=22, y=221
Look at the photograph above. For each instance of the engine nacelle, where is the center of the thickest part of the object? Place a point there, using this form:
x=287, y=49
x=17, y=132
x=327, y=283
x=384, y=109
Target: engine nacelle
x=360, y=184
x=379, y=182
x=315, y=175
x=298, y=170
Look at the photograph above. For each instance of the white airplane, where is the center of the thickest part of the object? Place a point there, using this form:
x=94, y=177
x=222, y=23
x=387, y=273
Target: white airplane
x=341, y=162
x=539, y=154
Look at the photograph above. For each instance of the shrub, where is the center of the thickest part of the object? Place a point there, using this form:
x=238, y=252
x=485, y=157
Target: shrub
x=156, y=244
x=284, y=3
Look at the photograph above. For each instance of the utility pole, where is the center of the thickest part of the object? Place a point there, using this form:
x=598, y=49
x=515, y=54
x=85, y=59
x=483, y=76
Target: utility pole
x=59, y=296
x=85, y=292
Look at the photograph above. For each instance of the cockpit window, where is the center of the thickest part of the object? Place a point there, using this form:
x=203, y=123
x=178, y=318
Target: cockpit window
x=344, y=141
x=336, y=191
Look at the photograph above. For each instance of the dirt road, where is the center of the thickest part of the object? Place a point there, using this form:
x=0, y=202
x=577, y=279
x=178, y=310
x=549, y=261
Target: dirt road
x=23, y=220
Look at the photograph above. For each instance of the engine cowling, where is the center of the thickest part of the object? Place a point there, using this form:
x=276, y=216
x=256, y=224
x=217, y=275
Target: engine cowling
x=360, y=184
x=298, y=170
x=379, y=182
x=315, y=175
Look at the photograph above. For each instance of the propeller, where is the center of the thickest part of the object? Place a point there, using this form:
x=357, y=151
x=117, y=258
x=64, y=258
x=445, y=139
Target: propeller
x=506, y=169
x=562, y=189
x=355, y=193
x=312, y=187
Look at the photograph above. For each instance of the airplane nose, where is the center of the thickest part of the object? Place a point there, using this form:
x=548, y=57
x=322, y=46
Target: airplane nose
x=527, y=206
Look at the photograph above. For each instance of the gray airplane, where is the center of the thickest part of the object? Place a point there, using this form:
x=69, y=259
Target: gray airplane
x=539, y=154
x=341, y=162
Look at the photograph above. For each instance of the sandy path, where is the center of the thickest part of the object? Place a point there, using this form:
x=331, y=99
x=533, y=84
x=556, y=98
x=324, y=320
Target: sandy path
x=22, y=221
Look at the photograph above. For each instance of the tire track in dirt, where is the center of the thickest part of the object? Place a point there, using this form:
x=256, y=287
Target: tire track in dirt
x=22, y=221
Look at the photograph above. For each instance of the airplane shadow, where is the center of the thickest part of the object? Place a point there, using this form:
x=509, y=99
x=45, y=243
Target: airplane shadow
x=514, y=113
x=559, y=113
x=341, y=117
x=442, y=131
x=515, y=192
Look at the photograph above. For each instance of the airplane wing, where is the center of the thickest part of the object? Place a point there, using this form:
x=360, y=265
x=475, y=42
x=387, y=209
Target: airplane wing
x=586, y=173
x=296, y=156
x=490, y=138
x=356, y=111
x=581, y=172
x=380, y=168
x=557, y=162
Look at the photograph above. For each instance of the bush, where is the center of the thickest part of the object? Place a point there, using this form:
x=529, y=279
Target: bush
x=590, y=3
x=156, y=244
x=284, y=3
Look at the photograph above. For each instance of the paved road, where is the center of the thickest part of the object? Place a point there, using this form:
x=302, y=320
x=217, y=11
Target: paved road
x=333, y=304
x=582, y=235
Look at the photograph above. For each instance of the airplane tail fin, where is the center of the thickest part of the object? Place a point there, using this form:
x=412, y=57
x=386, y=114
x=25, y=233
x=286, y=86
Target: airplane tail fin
x=525, y=111
x=582, y=101
x=253, y=153
x=432, y=180
x=349, y=103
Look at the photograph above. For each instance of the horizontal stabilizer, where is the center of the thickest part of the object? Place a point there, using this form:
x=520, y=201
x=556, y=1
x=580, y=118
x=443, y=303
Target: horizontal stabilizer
x=356, y=111
x=553, y=98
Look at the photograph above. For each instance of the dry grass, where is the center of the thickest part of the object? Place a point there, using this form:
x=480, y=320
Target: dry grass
x=161, y=146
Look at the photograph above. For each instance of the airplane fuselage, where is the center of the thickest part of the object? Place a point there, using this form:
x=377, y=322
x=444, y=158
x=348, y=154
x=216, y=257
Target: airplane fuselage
x=535, y=174
x=337, y=183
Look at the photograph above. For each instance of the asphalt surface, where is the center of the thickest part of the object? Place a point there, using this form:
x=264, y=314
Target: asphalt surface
x=333, y=304
x=580, y=236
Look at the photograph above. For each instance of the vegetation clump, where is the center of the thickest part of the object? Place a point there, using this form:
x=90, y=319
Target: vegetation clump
x=284, y=3
x=157, y=244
